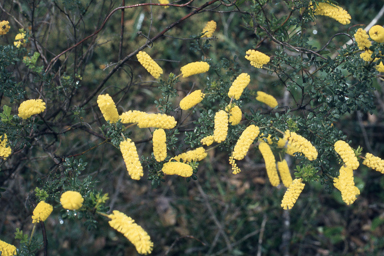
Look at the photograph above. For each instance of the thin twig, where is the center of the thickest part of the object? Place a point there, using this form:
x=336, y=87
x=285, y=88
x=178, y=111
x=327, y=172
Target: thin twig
x=45, y=240
x=121, y=32
x=261, y=235
x=213, y=216
x=177, y=240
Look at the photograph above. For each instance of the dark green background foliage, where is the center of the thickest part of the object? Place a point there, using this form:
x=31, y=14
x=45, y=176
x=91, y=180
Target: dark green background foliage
x=326, y=92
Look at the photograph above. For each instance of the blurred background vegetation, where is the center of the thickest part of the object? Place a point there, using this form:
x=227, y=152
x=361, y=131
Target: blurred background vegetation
x=216, y=214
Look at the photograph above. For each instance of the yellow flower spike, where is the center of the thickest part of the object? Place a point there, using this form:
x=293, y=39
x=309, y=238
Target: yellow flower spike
x=292, y=194
x=374, y=162
x=257, y=59
x=196, y=155
x=366, y=55
x=131, y=116
x=238, y=86
x=145, y=120
x=194, y=68
x=221, y=126
x=362, y=39
x=347, y=154
x=131, y=159
x=19, y=40
x=290, y=150
x=5, y=150
x=235, y=114
x=159, y=145
x=133, y=232
x=209, y=29
x=267, y=99
x=71, y=200
x=177, y=168
x=285, y=175
x=191, y=100
x=207, y=141
x=334, y=12
x=270, y=163
x=164, y=2
x=4, y=27
x=346, y=185
x=7, y=249
x=108, y=108
x=149, y=64
x=380, y=67
x=29, y=108
x=377, y=33
x=41, y=212
x=235, y=168
x=301, y=144
x=245, y=141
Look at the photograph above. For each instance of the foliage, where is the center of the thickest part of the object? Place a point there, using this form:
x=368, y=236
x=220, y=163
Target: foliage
x=76, y=50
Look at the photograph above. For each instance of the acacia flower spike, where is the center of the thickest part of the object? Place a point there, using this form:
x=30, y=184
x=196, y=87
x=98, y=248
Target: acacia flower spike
x=133, y=232
x=149, y=64
x=209, y=29
x=270, y=163
x=292, y=194
x=108, y=108
x=131, y=159
x=159, y=145
x=194, y=68
x=245, y=141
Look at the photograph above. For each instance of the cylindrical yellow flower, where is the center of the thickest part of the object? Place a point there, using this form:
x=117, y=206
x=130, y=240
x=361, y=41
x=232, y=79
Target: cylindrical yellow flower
x=209, y=29
x=5, y=150
x=235, y=114
x=41, y=212
x=207, y=141
x=362, y=39
x=221, y=126
x=132, y=116
x=377, y=33
x=149, y=64
x=235, y=168
x=245, y=141
x=292, y=194
x=19, y=40
x=367, y=55
x=4, y=27
x=285, y=175
x=7, y=249
x=267, y=99
x=270, y=163
x=194, y=68
x=31, y=107
x=131, y=159
x=301, y=144
x=145, y=120
x=380, y=67
x=347, y=154
x=133, y=232
x=238, y=86
x=334, y=12
x=177, y=168
x=164, y=2
x=159, y=145
x=196, y=155
x=257, y=59
x=71, y=200
x=346, y=185
x=191, y=100
x=374, y=162
x=108, y=108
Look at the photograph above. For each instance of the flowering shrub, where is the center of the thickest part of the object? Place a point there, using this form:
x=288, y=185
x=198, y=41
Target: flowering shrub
x=266, y=99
